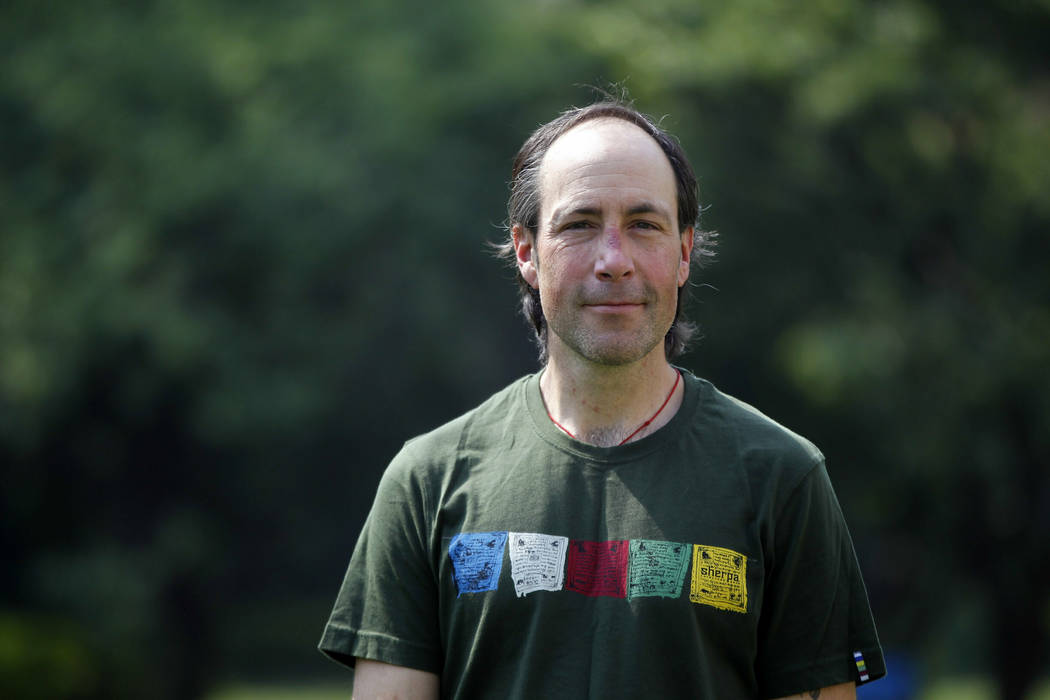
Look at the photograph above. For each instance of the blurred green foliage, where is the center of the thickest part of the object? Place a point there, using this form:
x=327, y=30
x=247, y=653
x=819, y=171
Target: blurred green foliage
x=242, y=259
x=44, y=657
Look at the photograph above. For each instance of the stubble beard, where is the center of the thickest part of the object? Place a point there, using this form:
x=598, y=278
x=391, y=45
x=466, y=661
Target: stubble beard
x=610, y=348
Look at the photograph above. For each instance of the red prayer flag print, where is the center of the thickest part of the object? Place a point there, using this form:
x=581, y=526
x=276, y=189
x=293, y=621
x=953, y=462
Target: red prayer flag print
x=597, y=568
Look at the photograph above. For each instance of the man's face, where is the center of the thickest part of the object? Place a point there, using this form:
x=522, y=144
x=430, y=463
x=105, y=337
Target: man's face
x=607, y=258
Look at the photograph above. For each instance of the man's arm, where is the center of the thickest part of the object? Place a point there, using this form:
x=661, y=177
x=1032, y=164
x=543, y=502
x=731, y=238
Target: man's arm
x=374, y=680
x=842, y=691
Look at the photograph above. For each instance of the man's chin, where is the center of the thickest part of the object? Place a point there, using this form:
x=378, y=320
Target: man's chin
x=611, y=350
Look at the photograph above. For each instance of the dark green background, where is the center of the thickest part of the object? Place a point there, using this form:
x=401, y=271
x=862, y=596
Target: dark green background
x=242, y=258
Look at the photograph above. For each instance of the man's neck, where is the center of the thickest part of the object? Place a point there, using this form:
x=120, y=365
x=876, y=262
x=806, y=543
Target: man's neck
x=602, y=405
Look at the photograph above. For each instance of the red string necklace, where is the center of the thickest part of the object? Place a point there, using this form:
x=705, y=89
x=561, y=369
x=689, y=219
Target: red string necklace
x=677, y=378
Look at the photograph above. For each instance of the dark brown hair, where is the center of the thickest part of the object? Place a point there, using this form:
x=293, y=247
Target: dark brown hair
x=523, y=205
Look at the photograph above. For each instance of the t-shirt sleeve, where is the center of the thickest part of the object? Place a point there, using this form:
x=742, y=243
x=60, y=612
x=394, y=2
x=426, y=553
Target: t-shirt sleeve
x=816, y=626
x=387, y=607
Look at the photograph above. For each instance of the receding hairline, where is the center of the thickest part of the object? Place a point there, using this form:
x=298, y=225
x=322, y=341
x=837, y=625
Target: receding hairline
x=600, y=121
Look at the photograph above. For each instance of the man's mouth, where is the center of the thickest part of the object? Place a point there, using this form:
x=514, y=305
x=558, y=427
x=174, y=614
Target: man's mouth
x=613, y=305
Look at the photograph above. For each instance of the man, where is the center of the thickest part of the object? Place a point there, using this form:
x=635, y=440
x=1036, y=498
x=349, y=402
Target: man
x=612, y=526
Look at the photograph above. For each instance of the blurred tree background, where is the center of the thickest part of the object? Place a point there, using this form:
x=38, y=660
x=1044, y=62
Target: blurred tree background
x=242, y=259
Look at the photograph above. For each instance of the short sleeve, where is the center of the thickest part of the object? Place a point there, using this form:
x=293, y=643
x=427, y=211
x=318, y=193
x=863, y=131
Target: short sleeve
x=387, y=607
x=816, y=627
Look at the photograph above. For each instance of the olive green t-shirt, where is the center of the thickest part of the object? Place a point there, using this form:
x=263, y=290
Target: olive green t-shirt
x=707, y=560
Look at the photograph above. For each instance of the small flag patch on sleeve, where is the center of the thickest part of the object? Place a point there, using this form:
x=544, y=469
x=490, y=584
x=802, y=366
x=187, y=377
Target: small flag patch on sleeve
x=862, y=668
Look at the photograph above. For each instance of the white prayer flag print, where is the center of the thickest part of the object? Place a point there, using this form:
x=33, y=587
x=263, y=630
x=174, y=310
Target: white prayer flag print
x=537, y=561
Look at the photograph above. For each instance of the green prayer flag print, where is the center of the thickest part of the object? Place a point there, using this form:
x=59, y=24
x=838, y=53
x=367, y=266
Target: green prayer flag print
x=657, y=568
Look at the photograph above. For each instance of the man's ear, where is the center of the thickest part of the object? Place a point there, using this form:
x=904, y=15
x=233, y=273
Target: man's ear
x=687, y=254
x=524, y=254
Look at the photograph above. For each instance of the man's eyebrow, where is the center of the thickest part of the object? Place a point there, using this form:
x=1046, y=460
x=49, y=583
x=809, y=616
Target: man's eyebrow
x=641, y=208
x=648, y=208
x=578, y=211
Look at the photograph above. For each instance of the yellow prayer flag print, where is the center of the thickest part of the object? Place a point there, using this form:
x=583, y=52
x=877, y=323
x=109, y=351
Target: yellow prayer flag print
x=719, y=578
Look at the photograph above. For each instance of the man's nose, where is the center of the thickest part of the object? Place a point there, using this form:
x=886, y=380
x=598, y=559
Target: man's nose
x=613, y=261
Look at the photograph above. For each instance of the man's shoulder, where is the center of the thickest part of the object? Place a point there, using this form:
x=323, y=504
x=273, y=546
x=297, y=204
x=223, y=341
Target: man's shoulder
x=754, y=437
x=486, y=423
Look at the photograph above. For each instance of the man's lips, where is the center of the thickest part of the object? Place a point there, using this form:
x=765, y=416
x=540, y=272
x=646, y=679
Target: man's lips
x=613, y=305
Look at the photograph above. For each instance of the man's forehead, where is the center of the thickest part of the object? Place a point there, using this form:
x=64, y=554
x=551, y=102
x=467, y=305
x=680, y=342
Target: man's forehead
x=605, y=154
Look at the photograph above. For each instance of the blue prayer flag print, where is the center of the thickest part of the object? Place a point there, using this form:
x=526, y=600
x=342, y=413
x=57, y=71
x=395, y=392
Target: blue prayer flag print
x=477, y=559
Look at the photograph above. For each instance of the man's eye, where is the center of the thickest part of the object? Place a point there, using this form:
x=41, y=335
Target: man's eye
x=577, y=225
x=646, y=225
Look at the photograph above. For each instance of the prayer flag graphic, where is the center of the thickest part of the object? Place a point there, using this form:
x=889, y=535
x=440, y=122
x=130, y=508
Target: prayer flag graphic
x=537, y=562
x=597, y=568
x=657, y=568
x=719, y=578
x=477, y=559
